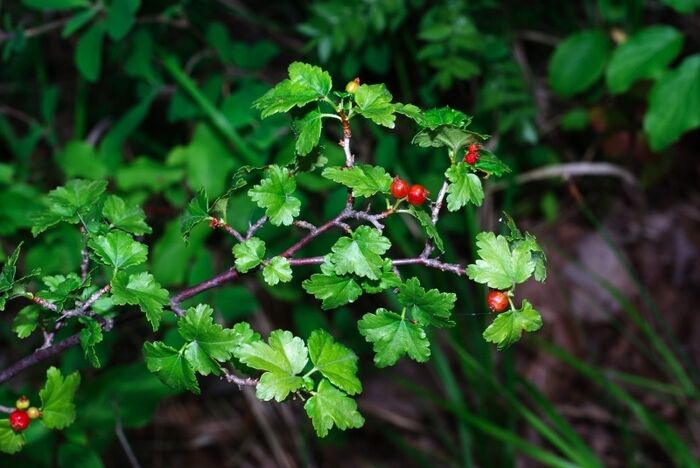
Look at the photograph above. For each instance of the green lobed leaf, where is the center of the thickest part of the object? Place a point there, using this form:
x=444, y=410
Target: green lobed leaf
x=427, y=307
x=197, y=211
x=361, y=253
x=364, y=180
x=516, y=237
x=646, y=54
x=57, y=407
x=90, y=335
x=374, y=103
x=119, y=250
x=249, y=254
x=329, y=406
x=10, y=441
x=140, y=289
x=60, y=287
x=309, y=129
x=465, y=187
x=127, y=218
x=491, y=164
x=393, y=336
x=333, y=290
x=578, y=62
x=274, y=194
x=428, y=227
x=451, y=137
x=508, y=327
x=306, y=83
x=277, y=270
x=9, y=270
x=69, y=203
x=438, y=117
x=26, y=321
x=336, y=362
x=208, y=342
x=674, y=104
x=283, y=357
x=387, y=279
x=499, y=267
x=171, y=366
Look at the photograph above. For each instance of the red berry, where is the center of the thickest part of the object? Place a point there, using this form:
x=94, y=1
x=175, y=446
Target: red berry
x=399, y=188
x=22, y=403
x=417, y=194
x=474, y=148
x=19, y=420
x=471, y=158
x=497, y=301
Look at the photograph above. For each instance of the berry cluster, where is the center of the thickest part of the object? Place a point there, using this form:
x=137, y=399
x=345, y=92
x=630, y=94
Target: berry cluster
x=472, y=154
x=23, y=414
x=415, y=194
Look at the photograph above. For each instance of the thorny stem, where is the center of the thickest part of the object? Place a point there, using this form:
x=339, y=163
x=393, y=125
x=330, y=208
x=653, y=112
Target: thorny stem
x=240, y=381
x=231, y=274
x=435, y=214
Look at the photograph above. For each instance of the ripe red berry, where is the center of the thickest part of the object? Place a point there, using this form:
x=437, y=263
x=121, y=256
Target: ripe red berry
x=471, y=158
x=399, y=188
x=473, y=148
x=19, y=420
x=33, y=413
x=417, y=194
x=22, y=403
x=497, y=301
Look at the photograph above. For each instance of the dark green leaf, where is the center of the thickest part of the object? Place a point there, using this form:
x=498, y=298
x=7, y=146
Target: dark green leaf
x=88, y=52
x=10, y=441
x=69, y=203
x=90, y=335
x=55, y=4
x=645, y=55
x=674, y=104
x=427, y=224
x=26, y=321
x=121, y=15
x=578, y=62
x=491, y=164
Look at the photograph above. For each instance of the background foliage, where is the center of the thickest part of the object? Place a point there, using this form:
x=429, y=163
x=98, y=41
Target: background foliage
x=157, y=98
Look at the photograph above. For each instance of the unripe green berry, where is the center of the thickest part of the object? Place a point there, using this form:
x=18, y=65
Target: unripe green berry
x=33, y=413
x=22, y=403
x=353, y=86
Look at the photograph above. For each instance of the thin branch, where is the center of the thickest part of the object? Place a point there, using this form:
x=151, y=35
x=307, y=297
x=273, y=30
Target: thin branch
x=38, y=356
x=253, y=228
x=121, y=436
x=43, y=303
x=6, y=409
x=432, y=263
x=240, y=381
x=568, y=170
x=217, y=280
x=434, y=215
